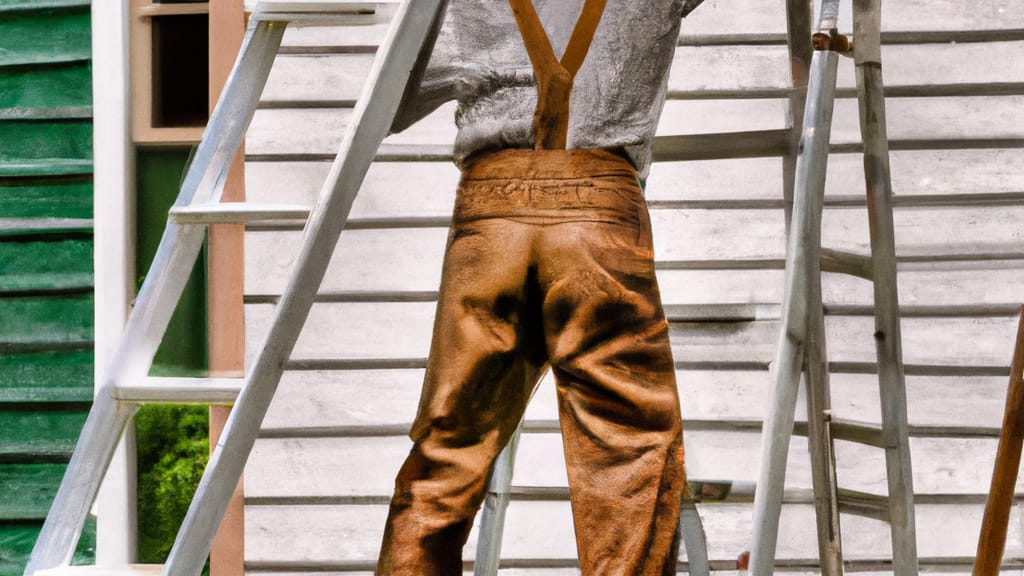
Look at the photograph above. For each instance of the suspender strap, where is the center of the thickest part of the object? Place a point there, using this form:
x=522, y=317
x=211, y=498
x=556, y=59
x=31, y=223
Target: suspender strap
x=554, y=77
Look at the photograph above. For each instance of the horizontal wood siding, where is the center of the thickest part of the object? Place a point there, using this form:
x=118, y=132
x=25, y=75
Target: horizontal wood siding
x=321, y=474
x=46, y=279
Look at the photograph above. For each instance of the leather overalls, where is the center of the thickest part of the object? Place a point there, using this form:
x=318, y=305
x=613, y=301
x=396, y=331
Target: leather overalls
x=549, y=263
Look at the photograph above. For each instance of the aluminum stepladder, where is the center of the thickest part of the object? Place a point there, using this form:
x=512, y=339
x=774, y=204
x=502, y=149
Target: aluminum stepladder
x=802, y=345
x=126, y=385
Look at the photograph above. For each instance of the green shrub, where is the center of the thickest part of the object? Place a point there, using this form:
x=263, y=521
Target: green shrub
x=173, y=448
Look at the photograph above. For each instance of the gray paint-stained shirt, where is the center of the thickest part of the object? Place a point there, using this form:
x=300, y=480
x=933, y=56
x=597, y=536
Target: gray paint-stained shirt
x=479, y=59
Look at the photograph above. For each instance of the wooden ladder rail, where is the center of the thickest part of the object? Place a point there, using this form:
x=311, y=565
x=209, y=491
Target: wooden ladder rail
x=802, y=336
x=992, y=539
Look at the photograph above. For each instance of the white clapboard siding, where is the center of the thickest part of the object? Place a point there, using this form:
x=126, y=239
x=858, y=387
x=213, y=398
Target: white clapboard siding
x=404, y=265
x=722, y=452
x=302, y=77
x=337, y=534
x=398, y=189
x=406, y=259
x=401, y=330
x=339, y=399
x=319, y=131
x=391, y=190
x=767, y=67
x=722, y=568
x=331, y=77
x=766, y=16
x=320, y=36
x=322, y=471
x=363, y=467
x=726, y=570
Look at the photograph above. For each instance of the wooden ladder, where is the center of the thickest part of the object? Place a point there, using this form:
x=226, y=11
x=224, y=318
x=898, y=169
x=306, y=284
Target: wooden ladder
x=802, y=347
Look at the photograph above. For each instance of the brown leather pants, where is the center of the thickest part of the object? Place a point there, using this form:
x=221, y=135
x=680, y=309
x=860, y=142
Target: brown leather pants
x=549, y=262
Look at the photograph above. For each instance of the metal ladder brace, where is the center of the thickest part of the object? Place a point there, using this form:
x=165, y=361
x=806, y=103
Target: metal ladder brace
x=802, y=334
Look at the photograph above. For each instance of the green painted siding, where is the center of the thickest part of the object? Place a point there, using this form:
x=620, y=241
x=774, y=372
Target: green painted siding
x=44, y=35
x=40, y=263
x=45, y=140
x=46, y=377
x=46, y=249
x=15, y=536
x=54, y=86
x=69, y=197
x=160, y=172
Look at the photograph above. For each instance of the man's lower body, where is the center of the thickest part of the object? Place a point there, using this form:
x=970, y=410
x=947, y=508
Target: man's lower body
x=549, y=263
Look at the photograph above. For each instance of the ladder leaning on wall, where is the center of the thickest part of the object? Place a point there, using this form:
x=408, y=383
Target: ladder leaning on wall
x=802, y=346
x=126, y=384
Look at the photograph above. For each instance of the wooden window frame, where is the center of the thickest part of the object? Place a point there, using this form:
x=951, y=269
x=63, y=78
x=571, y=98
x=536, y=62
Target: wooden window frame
x=141, y=29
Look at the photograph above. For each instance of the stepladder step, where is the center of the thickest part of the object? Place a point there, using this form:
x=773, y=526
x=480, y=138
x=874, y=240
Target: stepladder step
x=324, y=13
x=237, y=213
x=171, y=390
x=113, y=570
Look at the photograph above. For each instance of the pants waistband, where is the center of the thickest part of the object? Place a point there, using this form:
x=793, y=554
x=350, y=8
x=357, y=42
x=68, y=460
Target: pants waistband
x=574, y=184
x=546, y=164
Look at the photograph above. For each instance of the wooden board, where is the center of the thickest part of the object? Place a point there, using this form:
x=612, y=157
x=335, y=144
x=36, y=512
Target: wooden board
x=305, y=79
x=312, y=468
x=400, y=330
x=721, y=17
x=761, y=16
x=47, y=377
x=56, y=86
x=396, y=189
x=61, y=199
x=43, y=321
x=283, y=132
x=16, y=541
x=28, y=490
x=38, y=140
x=697, y=69
x=350, y=534
x=44, y=36
x=336, y=401
x=39, y=435
x=321, y=77
x=392, y=258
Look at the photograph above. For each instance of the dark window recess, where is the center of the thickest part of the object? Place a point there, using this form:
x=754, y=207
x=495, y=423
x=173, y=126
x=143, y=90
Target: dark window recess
x=180, y=70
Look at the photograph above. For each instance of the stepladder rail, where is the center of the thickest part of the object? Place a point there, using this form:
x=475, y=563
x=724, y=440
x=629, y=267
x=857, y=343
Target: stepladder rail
x=156, y=300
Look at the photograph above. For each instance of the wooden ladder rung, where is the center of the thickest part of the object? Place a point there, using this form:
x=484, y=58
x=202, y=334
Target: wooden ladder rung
x=751, y=144
x=844, y=262
x=867, y=433
x=863, y=504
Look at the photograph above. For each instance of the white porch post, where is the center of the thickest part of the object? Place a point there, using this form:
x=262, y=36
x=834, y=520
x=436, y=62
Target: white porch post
x=114, y=256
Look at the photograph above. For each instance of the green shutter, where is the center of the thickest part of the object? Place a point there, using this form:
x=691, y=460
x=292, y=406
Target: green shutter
x=46, y=249
x=44, y=36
